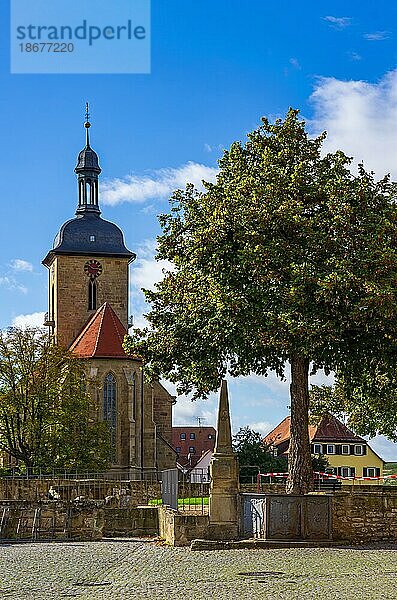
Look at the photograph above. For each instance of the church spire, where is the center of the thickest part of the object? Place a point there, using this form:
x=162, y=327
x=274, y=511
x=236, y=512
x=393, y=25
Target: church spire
x=87, y=124
x=88, y=170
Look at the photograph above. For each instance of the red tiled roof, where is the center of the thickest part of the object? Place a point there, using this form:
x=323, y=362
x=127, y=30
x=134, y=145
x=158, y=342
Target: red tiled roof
x=329, y=429
x=102, y=337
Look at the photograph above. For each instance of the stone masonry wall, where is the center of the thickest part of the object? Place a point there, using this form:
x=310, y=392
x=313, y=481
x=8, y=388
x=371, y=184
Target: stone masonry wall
x=179, y=529
x=51, y=521
x=131, y=522
x=365, y=517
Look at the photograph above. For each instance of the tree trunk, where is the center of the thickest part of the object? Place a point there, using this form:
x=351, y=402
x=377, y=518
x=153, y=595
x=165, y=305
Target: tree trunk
x=300, y=480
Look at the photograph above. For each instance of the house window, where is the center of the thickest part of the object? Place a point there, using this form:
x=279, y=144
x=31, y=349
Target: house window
x=317, y=449
x=178, y=449
x=369, y=472
x=92, y=238
x=192, y=450
x=347, y=471
x=330, y=449
x=192, y=436
x=345, y=449
x=331, y=470
x=182, y=436
x=110, y=405
x=92, y=295
x=210, y=436
x=358, y=450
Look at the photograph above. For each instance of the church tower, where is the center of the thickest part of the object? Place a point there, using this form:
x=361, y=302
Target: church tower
x=88, y=264
x=88, y=314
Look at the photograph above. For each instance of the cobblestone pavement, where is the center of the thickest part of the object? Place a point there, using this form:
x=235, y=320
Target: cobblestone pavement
x=123, y=569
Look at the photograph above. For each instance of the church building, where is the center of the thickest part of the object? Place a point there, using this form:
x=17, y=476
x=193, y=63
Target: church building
x=88, y=313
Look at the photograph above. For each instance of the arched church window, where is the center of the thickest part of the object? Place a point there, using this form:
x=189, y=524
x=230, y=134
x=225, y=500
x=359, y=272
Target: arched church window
x=92, y=293
x=110, y=405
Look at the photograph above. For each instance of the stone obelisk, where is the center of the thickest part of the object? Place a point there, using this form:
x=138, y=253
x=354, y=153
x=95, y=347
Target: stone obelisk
x=223, y=508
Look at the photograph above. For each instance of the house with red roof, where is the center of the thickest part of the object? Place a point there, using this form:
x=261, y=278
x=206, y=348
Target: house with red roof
x=348, y=454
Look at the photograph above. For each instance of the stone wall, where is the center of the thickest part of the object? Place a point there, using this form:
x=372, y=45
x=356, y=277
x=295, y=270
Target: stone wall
x=131, y=522
x=51, y=521
x=180, y=529
x=365, y=517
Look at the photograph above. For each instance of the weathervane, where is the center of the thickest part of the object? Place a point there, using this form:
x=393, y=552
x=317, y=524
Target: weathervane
x=87, y=123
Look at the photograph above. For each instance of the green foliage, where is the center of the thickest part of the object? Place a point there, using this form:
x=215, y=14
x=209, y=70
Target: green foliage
x=286, y=253
x=251, y=451
x=45, y=412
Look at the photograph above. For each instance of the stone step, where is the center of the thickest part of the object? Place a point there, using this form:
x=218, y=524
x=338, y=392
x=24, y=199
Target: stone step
x=258, y=543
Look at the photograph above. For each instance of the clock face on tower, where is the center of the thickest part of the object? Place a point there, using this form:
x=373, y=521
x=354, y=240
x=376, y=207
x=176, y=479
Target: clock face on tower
x=92, y=268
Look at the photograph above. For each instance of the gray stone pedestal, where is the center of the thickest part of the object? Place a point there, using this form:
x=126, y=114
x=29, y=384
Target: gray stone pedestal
x=223, y=508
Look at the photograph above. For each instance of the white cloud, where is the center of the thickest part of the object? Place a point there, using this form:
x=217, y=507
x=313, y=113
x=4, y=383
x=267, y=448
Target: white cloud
x=262, y=427
x=338, y=22
x=145, y=272
x=21, y=265
x=186, y=412
x=376, y=36
x=155, y=185
x=11, y=284
x=146, y=269
x=361, y=120
x=32, y=320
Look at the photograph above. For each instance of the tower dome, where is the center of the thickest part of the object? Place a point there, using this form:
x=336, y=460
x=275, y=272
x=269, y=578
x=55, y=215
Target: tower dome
x=88, y=233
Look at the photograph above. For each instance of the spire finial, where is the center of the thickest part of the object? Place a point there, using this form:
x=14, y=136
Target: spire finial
x=87, y=123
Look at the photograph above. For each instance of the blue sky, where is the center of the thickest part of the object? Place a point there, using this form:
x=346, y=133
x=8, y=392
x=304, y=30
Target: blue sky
x=217, y=67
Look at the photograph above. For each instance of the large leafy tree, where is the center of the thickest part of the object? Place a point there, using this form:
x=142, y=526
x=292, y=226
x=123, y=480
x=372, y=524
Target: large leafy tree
x=287, y=257
x=46, y=417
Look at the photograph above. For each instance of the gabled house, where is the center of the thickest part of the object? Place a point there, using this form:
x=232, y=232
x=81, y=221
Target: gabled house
x=348, y=454
x=190, y=443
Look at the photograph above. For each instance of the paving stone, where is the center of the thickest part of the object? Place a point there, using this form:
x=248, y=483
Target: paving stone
x=128, y=568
